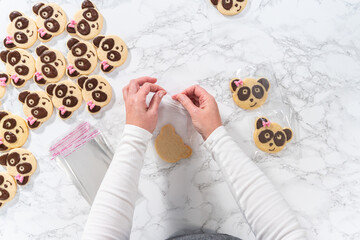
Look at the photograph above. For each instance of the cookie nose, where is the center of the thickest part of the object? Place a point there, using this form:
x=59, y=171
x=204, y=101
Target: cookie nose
x=271, y=144
x=92, y=25
x=27, y=31
x=251, y=100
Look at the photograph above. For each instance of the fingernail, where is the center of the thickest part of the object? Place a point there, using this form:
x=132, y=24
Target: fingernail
x=181, y=98
x=161, y=94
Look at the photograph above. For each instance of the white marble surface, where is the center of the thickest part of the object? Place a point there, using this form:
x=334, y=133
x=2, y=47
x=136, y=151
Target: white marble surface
x=313, y=48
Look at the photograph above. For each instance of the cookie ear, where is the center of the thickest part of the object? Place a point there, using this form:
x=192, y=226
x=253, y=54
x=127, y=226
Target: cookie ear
x=23, y=95
x=50, y=89
x=215, y=2
x=265, y=83
x=8, y=45
x=87, y=4
x=289, y=134
x=259, y=122
x=37, y=7
x=3, y=114
x=72, y=42
x=14, y=15
x=97, y=40
x=41, y=49
x=233, y=86
x=3, y=158
x=81, y=81
x=3, y=55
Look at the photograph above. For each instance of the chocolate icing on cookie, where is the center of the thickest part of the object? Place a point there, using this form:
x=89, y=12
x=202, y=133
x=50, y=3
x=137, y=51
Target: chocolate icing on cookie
x=21, y=32
x=271, y=137
x=87, y=22
x=20, y=164
x=51, y=20
x=249, y=93
x=66, y=97
x=96, y=92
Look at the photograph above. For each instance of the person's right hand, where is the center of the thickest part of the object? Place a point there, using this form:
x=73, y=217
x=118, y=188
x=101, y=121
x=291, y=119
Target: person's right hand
x=202, y=108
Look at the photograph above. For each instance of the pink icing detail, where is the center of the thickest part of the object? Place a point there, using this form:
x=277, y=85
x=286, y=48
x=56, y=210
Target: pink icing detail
x=72, y=24
x=266, y=124
x=15, y=78
x=71, y=69
x=9, y=40
x=238, y=83
x=42, y=32
x=38, y=76
x=20, y=178
x=1, y=140
x=91, y=104
x=105, y=65
x=31, y=120
x=62, y=110
x=3, y=82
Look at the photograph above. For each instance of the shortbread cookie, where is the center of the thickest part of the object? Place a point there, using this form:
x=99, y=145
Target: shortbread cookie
x=170, y=146
x=271, y=137
x=4, y=81
x=37, y=107
x=50, y=20
x=22, y=31
x=50, y=65
x=66, y=97
x=82, y=58
x=19, y=163
x=7, y=188
x=20, y=65
x=96, y=92
x=230, y=7
x=250, y=93
x=112, y=52
x=13, y=131
x=87, y=22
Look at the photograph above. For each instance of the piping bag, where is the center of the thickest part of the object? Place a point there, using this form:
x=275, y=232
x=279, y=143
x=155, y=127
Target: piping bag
x=85, y=156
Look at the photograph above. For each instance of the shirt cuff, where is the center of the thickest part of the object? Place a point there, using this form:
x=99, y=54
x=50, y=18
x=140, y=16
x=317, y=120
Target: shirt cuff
x=214, y=137
x=137, y=132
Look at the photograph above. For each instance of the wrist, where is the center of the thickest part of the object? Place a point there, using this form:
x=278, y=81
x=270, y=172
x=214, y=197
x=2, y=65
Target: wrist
x=209, y=131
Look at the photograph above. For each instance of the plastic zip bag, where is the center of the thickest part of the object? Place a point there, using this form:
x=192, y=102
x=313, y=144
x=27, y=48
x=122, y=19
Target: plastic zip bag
x=85, y=156
x=275, y=109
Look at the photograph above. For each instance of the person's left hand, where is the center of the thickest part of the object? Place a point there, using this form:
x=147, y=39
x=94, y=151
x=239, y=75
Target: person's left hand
x=137, y=111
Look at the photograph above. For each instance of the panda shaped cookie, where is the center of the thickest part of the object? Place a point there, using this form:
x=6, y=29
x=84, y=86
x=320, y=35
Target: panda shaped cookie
x=271, y=137
x=8, y=188
x=87, y=22
x=96, y=92
x=229, y=7
x=13, y=131
x=82, y=58
x=50, y=20
x=4, y=81
x=66, y=97
x=20, y=65
x=50, y=65
x=112, y=52
x=22, y=31
x=20, y=164
x=250, y=93
x=37, y=107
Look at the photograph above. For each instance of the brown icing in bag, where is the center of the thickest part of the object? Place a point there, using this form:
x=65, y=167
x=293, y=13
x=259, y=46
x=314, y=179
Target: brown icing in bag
x=170, y=146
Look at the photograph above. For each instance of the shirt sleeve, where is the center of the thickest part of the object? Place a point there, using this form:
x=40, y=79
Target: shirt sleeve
x=113, y=208
x=267, y=213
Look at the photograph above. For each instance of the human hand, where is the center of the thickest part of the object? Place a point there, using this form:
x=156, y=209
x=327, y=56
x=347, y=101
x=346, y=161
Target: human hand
x=137, y=111
x=202, y=108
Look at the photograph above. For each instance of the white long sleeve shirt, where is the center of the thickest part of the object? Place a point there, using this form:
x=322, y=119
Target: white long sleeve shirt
x=267, y=213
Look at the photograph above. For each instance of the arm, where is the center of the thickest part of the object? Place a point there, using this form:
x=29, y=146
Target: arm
x=112, y=211
x=266, y=211
x=113, y=208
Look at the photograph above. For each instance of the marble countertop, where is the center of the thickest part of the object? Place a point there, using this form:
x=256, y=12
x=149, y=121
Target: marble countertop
x=313, y=49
